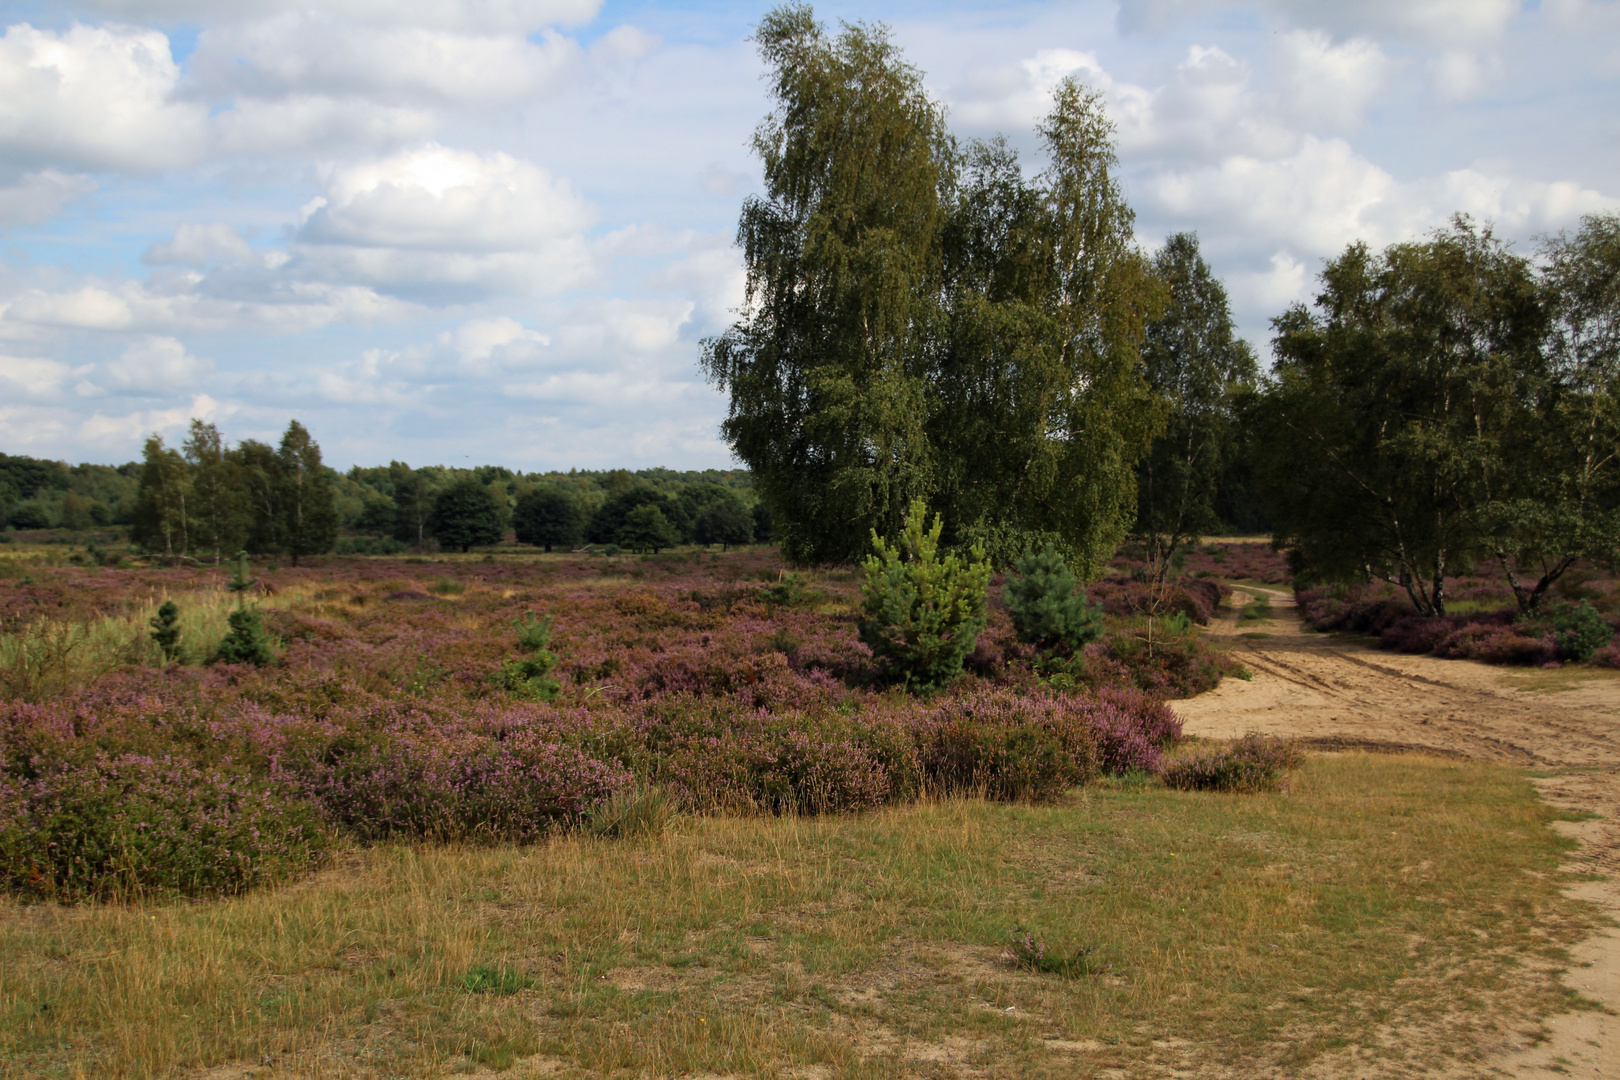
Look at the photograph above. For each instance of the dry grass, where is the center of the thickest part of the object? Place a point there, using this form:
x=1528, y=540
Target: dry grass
x=48, y=656
x=1405, y=905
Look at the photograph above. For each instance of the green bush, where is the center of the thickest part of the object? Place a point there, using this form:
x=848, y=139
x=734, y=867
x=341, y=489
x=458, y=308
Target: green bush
x=1046, y=607
x=246, y=642
x=530, y=676
x=1581, y=631
x=166, y=630
x=922, y=612
x=125, y=827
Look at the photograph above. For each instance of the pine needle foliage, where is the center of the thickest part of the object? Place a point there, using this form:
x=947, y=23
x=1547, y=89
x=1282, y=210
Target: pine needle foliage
x=923, y=610
x=1046, y=607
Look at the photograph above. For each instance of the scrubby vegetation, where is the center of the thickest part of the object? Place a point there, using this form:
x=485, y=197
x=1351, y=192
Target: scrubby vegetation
x=263, y=715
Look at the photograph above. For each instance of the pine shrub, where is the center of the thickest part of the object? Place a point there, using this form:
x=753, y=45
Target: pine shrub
x=923, y=611
x=1046, y=607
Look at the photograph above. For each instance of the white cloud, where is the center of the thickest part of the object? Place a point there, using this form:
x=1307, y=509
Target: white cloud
x=1323, y=85
x=1327, y=196
x=519, y=16
x=33, y=378
x=197, y=245
x=1441, y=21
x=94, y=98
x=623, y=45
x=181, y=306
x=40, y=196
x=440, y=199
x=440, y=217
x=319, y=55
x=1459, y=75
x=155, y=366
x=480, y=339
x=317, y=123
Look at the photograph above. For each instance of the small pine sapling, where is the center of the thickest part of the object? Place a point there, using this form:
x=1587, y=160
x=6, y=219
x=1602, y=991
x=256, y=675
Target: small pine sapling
x=922, y=612
x=1046, y=608
x=530, y=676
x=166, y=630
x=246, y=642
x=240, y=583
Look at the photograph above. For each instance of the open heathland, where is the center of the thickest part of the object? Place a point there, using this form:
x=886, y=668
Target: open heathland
x=1228, y=935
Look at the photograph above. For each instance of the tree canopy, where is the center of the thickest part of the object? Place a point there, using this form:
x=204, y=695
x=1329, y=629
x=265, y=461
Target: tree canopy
x=920, y=323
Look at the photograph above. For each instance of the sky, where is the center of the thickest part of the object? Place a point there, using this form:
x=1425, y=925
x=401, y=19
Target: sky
x=495, y=231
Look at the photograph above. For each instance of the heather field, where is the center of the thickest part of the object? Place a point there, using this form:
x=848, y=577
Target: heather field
x=662, y=815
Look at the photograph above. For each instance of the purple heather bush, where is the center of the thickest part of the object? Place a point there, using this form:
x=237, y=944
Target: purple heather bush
x=716, y=683
x=1250, y=764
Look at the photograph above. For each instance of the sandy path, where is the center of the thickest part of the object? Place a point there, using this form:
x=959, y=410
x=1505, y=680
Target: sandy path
x=1335, y=693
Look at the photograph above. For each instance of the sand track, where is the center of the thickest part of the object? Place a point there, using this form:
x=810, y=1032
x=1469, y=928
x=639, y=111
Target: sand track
x=1339, y=693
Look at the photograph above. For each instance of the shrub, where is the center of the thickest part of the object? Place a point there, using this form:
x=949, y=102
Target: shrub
x=125, y=826
x=1580, y=632
x=450, y=785
x=530, y=676
x=245, y=642
x=1252, y=763
x=1494, y=644
x=1046, y=607
x=166, y=629
x=922, y=613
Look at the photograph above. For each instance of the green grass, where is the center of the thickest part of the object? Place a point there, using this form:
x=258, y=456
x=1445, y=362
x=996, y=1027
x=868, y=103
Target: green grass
x=1190, y=930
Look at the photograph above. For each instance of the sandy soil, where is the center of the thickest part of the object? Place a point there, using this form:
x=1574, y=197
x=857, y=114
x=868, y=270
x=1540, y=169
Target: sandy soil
x=1337, y=693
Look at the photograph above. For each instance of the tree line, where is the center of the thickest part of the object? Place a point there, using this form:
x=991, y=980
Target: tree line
x=924, y=321
x=206, y=500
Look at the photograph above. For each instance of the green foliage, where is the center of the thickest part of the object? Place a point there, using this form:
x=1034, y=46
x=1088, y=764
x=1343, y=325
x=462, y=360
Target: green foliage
x=1581, y=631
x=166, y=629
x=1196, y=365
x=922, y=612
x=240, y=581
x=495, y=979
x=1047, y=607
x=913, y=332
x=1383, y=422
x=303, y=487
x=548, y=517
x=467, y=513
x=530, y=676
x=609, y=521
x=246, y=642
x=646, y=528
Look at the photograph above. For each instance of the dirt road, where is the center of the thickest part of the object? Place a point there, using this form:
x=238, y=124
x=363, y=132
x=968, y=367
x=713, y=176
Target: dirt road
x=1335, y=693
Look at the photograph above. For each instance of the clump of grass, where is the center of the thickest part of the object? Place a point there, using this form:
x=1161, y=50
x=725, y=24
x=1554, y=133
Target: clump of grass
x=447, y=587
x=495, y=979
x=1030, y=953
x=1252, y=763
x=1256, y=610
x=636, y=810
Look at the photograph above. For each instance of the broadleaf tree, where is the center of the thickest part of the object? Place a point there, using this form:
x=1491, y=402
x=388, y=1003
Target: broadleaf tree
x=1197, y=366
x=920, y=323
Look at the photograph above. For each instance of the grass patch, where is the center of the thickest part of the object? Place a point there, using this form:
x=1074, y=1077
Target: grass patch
x=1558, y=680
x=1381, y=894
x=1258, y=609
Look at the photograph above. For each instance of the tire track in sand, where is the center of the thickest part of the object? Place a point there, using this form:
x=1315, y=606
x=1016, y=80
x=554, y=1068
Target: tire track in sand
x=1339, y=693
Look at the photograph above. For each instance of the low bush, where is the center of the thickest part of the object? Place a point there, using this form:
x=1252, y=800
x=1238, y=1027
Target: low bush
x=127, y=826
x=1495, y=644
x=1250, y=764
x=922, y=610
x=1047, y=608
x=246, y=642
x=1579, y=632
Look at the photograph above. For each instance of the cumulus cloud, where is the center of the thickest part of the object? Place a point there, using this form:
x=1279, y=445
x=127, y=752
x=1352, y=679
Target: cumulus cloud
x=436, y=216
x=184, y=306
x=1321, y=84
x=197, y=245
x=519, y=16
x=317, y=123
x=1440, y=21
x=34, y=378
x=94, y=98
x=40, y=196
x=319, y=55
x=155, y=366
